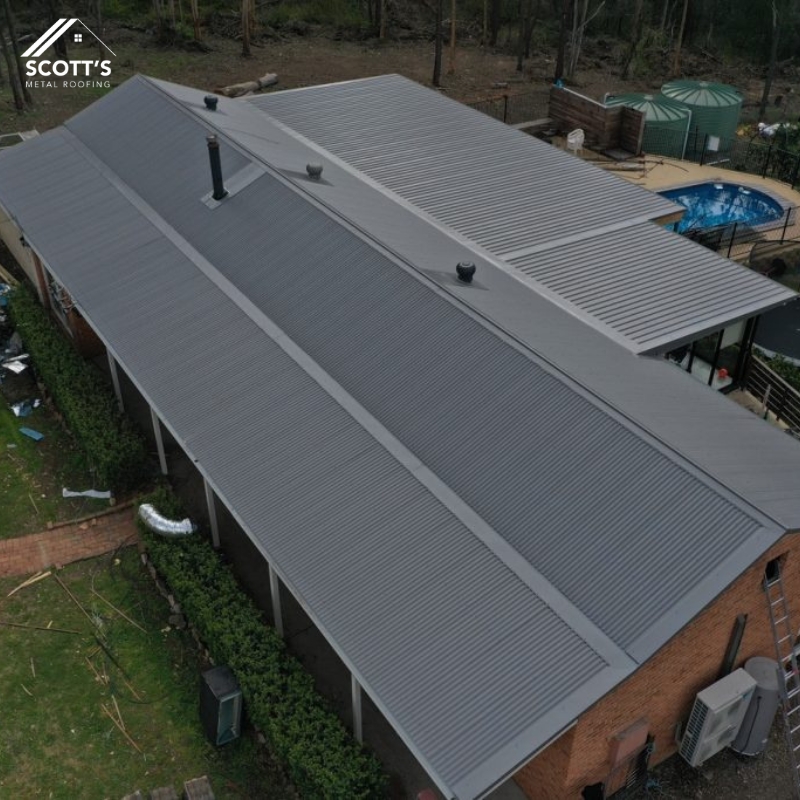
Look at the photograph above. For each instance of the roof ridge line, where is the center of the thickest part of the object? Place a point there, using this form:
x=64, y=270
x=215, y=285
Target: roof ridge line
x=679, y=458
x=614, y=655
x=651, y=438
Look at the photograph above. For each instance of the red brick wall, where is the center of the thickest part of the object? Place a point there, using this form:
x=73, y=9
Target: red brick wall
x=663, y=689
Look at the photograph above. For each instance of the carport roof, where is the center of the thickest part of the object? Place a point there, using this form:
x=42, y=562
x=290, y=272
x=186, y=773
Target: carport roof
x=468, y=489
x=579, y=236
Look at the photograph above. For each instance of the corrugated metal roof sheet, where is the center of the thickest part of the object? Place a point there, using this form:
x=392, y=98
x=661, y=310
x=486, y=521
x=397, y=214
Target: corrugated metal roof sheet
x=577, y=232
x=408, y=436
x=650, y=287
x=501, y=188
x=408, y=356
x=441, y=632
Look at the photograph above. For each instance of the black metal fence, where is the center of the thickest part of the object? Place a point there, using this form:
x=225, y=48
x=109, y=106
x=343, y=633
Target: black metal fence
x=737, y=239
x=775, y=394
x=754, y=156
x=514, y=108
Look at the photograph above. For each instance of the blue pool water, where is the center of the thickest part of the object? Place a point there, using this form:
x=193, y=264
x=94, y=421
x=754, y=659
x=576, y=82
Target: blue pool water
x=711, y=204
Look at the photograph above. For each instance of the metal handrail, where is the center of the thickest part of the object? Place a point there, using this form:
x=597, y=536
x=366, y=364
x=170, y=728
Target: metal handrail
x=775, y=393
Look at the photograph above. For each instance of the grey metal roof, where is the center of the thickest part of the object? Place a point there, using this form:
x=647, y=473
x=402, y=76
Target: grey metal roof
x=443, y=633
x=651, y=288
x=576, y=232
x=400, y=446
x=502, y=188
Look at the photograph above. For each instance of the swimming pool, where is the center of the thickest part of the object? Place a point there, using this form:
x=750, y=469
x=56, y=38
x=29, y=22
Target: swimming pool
x=709, y=205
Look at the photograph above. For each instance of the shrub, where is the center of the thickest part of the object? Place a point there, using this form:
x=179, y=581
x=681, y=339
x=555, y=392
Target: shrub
x=114, y=449
x=320, y=756
x=786, y=369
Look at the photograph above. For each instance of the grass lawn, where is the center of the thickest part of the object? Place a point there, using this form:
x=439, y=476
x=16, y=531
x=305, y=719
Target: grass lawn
x=55, y=739
x=32, y=474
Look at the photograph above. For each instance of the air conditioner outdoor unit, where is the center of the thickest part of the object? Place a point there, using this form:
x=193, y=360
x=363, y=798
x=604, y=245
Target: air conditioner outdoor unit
x=716, y=716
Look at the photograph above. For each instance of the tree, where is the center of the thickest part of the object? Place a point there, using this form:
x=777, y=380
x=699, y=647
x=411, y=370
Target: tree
x=676, y=61
x=195, y=12
x=437, y=52
x=247, y=24
x=578, y=30
x=636, y=35
x=495, y=7
x=451, y=67
x=773, y=59
x=11, y=26
x=53, y=15
x=566, y=5
x=13, y=75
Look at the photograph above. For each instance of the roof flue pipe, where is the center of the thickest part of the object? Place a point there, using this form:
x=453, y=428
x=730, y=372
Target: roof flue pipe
x=216, y=168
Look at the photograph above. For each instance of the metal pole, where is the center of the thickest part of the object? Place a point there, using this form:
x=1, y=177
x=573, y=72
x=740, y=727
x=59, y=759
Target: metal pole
x=112, y=365
x=162, y=458
x=691, y=358
x=212, y=514
x=355, y=691
x=733, y=237
x=766, y=161
x=785, y=224
x=275, y=592
x=716, y=358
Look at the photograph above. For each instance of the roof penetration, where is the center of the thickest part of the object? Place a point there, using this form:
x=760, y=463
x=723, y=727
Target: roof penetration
x=464, y=520
x=499, y=187
x=531, y=205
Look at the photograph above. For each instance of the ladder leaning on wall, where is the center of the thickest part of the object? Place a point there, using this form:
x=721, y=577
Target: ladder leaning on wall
x=789, y=676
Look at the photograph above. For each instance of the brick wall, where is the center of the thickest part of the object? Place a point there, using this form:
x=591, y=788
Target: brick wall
x=663, y=690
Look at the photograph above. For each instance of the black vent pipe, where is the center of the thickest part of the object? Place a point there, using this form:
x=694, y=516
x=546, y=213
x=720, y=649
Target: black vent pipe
x=216, y=168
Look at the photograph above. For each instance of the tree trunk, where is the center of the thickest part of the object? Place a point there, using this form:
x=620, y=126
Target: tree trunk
x=382, y=19
x=664, y=12
x=60, y=44
x=12, y=32
x=562, y=40
x=13, y=76
x=633, y=45
x=773, y=59
x=246, y=29
x=99, y=10
x=195, y=11
x=451, y=67
x=485, y=31
x=529, y=32
x=676, y=61
x=437, y=53
x=495, y=8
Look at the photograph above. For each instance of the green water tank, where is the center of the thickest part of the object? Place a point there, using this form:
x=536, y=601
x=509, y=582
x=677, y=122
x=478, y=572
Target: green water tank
x=715, y=111
x=666, y=124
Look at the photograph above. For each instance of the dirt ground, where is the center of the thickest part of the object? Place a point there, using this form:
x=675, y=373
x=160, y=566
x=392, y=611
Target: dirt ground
x=480, y=73
x=727, y=776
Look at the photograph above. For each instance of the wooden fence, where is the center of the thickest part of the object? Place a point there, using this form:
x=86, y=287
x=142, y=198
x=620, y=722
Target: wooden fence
x=605, y=127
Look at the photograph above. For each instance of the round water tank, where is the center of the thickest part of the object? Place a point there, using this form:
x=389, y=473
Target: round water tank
x=666, y=123
x=753, y=734
x=715, y=110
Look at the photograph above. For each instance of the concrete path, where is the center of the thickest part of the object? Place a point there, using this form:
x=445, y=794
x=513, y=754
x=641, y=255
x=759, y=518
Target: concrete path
x=68, y=542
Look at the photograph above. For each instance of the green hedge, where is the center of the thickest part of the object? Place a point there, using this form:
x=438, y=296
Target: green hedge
x=785, y=368
x=320, y=756
x=114, y=449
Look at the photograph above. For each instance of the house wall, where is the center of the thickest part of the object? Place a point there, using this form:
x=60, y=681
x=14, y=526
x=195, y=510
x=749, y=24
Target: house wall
x=10, y=234
x=662, y=691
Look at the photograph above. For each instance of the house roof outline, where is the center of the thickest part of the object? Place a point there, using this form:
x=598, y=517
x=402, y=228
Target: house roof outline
x=55, y=32
x=766, y=524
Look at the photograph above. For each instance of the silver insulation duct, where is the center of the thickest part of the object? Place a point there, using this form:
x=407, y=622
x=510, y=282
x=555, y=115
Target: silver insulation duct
x=161, y=525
